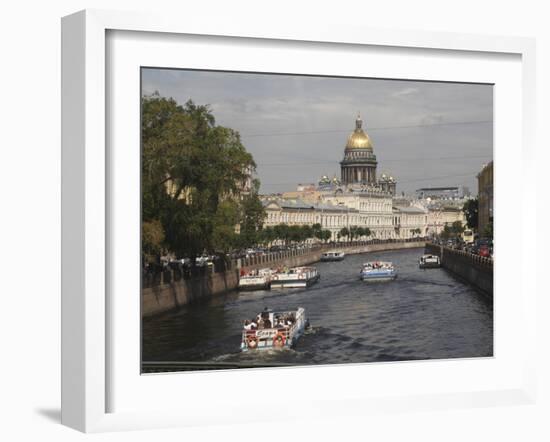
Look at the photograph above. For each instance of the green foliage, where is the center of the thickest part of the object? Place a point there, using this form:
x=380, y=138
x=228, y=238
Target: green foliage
x=193, y=175
x=224, y=236
x=354, y=232
x=452, y=231
x=266, y=236
x=152, y=239
x=344, y=232
x=457, y=228
x=488, y=230
x=325, y=235
x=293, y=234
x=471, y=211
x=252, y=218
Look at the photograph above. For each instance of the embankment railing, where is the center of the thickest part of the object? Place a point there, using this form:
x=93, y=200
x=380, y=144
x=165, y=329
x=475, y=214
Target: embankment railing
x=441, y=251
x=158, y=274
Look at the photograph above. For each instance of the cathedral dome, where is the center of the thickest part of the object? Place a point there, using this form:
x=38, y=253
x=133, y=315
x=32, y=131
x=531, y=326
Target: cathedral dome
x=358, y=138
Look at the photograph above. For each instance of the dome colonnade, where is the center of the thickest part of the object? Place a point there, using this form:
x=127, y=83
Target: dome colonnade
x=359, y=163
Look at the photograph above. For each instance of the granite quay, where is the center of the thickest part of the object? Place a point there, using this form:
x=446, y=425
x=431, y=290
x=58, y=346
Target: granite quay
x=173, y=288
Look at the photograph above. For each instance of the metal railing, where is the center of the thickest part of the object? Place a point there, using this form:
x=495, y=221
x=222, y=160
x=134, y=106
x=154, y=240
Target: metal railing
x=156, y=275
x=442, y=250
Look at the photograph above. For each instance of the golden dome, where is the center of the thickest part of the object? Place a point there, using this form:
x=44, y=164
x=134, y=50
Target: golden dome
x=358, y=138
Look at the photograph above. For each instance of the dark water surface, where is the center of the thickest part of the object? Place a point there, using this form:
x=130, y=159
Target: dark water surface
x=424, y=314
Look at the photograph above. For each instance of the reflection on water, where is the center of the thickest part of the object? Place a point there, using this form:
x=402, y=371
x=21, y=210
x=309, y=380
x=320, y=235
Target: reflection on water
x=424, y=314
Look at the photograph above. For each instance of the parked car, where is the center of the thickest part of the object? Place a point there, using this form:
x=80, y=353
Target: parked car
x=484, y=251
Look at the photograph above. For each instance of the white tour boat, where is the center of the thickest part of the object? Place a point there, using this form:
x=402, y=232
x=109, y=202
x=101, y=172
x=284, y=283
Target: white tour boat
x=333, y=256
x=295, y=277
x=256, y=280
x=378, y=271
x=429, y=262
x=273, y=330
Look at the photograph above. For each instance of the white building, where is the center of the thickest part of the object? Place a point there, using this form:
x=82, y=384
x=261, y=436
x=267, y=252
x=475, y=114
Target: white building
x=373, y=210
x=297, y=212
x=359, y=199
x=410, y=222
x=440, y=216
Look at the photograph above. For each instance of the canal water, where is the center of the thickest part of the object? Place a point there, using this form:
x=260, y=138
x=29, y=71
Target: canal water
x=423, y=314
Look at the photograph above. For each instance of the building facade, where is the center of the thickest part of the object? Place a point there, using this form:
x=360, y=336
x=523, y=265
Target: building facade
x=300, y=213
x=456, y=192
x=410, y=222
x=441, y=216
x=485, y=195
x=359, y=198
x=359, y=163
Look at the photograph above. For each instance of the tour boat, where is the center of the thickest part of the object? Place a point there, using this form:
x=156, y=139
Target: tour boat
x=429, y=262
x=332, y=256
x=256, y=280
x=273, y=330
x=295, y=277
x=378, y=271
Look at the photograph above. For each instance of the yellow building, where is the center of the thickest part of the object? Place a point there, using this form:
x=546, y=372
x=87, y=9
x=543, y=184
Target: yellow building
x=485, y=196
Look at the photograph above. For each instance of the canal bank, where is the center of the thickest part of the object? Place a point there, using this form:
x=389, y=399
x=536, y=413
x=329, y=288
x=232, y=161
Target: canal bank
x=172, y=290
x=423, y=314
x=474, y=269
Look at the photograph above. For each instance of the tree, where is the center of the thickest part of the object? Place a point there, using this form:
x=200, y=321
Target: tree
x=193, y=176
x=326, y=235
x=282, y=232
x=452, y=231
x=363, y=231
x=457, y=228
x=307, y=232
x=317, y=231
x=296, y=233
x=471, y=212
x=252, y=218
x=353, y=232
x=488, y=230
x=152, y=240
x=267, y=235
x=224, y=236
x=344, y=232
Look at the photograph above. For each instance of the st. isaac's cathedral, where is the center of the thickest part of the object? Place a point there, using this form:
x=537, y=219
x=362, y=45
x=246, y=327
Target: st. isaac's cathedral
x=358, y=198
x=358, y=168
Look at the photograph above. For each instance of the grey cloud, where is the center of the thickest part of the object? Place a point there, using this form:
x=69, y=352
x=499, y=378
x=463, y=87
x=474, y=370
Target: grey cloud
x=296, y=126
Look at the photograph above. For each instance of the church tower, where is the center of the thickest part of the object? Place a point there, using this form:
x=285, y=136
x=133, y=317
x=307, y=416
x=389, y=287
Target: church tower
x=359, y=163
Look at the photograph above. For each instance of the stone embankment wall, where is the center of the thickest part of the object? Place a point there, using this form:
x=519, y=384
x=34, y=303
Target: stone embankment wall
x=474, y=269
x=171, y=289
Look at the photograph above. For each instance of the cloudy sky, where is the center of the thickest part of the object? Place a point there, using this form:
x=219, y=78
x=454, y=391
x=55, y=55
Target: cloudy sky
x=425, y=134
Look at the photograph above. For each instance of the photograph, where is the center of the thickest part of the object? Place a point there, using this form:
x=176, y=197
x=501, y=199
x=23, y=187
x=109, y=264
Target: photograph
x=306, y=220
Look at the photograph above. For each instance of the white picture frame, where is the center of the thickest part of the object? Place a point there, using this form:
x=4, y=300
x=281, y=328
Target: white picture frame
x=86, y=206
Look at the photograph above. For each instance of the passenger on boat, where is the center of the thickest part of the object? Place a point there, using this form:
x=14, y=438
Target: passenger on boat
x=247, y=324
